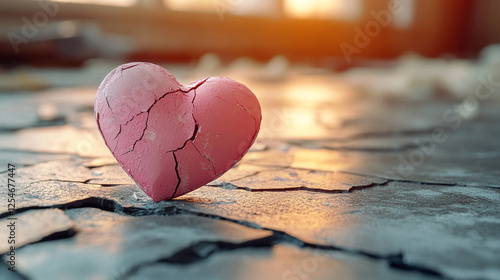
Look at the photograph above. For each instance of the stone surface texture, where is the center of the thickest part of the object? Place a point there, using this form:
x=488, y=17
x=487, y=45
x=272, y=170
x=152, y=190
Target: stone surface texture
x=340, y=184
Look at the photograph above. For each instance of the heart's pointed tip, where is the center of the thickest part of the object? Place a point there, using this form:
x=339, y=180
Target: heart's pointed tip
x=158, y=196
x=157, y=200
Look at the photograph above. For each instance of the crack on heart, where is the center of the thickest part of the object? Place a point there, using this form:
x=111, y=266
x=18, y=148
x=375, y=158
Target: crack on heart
x=176, y=173
x=245, y=109
x=142, y=135
x=147, y=111
x=147, y=118
x=107, y=102
x=196, y=84
x=129, y=66
x=255, y=120
x=120, y=130
x=127, y=122
x=196, y=127
x=175, y=158
x=206, y=157
x=196, y=131
x=193, y=88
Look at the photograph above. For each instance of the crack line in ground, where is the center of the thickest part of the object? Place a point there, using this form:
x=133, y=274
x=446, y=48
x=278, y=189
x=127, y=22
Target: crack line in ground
x=202, y=250
x=56, y=235
x=302, y=188
x=289, y=165
x=62, y=181
x=247, y=176
x=378, y=177
x=86, y=182
x=105, y=204
x=389, y=180
x=237, y=179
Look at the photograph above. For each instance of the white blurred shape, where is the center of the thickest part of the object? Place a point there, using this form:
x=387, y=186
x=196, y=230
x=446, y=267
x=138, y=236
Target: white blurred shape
x=47, y=111
x=404, y=16
x=67, y=29
x=209, y=64
x=349, y=10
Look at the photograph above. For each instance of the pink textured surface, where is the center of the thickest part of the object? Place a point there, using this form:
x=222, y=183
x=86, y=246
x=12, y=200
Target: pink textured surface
x=172, y=139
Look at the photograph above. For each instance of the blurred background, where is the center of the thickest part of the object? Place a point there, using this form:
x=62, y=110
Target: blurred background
x=288, y=51
x=316, y=31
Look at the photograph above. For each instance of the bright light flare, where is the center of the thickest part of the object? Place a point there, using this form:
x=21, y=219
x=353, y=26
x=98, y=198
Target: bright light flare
x=120, y=3
x=323, y=9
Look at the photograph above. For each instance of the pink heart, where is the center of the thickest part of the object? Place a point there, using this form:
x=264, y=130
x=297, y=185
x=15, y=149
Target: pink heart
x=172, y=139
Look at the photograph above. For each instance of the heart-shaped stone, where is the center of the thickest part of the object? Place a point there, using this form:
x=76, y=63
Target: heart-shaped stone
x=172, y=139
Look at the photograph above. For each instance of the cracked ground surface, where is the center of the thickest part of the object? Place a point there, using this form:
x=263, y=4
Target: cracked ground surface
x=345, y=185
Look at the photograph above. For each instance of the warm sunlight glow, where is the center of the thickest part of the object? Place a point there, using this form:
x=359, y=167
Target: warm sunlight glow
x=323, y=9
x=299, y=8
x=194, y=5
x=122, y=3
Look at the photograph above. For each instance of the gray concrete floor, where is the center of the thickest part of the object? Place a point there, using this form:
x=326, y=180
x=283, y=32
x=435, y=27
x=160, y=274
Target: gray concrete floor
x=340, y=184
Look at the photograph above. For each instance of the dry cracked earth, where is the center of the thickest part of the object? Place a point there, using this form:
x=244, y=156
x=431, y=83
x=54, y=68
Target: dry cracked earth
x=338, y=185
